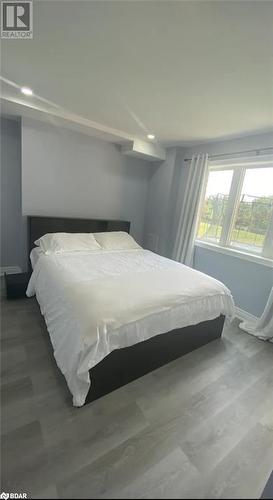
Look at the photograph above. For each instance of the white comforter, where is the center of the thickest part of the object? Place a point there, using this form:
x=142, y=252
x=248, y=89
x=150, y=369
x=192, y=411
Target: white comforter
x=97, y=302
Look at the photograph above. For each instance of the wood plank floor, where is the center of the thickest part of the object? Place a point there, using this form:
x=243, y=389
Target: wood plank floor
x=200, y=427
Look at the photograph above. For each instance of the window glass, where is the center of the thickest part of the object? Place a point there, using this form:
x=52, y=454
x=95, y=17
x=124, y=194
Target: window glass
x=254, y=210
x=214, y=207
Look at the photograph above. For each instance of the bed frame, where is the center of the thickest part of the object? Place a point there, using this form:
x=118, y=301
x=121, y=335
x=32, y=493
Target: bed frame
x=125, y=365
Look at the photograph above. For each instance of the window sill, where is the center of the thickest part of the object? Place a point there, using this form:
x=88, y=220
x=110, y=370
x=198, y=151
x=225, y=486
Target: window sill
x=235, y=253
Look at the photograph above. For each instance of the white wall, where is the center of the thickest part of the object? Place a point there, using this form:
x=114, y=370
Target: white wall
x=70, y=174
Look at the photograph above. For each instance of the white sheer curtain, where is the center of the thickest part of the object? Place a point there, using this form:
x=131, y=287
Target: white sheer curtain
x=263, y=327
x=186, y=231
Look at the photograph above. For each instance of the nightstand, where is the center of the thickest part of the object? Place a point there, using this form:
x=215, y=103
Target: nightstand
x=16, y=285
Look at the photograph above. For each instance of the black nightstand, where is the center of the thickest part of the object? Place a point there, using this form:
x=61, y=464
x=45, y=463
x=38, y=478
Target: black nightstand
x=16, y=285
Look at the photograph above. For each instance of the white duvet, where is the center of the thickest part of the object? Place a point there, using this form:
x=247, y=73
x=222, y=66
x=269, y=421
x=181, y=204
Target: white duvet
x=96, y=302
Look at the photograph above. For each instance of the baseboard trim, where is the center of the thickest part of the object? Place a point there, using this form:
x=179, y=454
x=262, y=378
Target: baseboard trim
x=244, y=315
x=10, y=270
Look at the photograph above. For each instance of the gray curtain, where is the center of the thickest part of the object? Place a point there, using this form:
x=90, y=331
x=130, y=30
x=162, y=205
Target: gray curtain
x=263, y=327
x=189, y=213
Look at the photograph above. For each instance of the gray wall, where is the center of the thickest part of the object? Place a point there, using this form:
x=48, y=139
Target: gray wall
x=70, y=174
x=157, y=227
x=163, y=209
x=12, y=224
x=249, y=282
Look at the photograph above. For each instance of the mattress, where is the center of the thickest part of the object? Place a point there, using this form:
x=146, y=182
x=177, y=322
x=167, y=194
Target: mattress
x=96, y=302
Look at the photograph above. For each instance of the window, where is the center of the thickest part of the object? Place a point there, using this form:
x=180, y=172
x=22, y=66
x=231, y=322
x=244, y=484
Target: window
x=237, y=209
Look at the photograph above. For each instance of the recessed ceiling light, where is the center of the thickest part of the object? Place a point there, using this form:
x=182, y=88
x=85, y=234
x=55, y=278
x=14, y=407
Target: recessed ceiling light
x=26, y=91
x=151, y=136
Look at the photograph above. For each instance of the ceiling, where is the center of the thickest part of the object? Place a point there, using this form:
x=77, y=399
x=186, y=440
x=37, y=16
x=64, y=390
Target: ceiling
x=187, y=71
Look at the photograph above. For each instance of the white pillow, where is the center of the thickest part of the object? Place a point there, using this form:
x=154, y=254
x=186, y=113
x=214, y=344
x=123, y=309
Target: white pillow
x=116, y=240
x=67, y=242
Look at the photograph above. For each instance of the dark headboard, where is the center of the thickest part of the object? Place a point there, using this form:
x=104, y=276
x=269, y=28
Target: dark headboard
x=38, y=226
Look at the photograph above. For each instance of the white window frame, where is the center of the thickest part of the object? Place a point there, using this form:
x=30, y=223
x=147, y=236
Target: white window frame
x=239, y=167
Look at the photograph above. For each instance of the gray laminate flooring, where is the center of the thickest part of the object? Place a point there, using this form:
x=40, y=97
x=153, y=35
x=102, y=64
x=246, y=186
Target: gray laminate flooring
x=200, y=427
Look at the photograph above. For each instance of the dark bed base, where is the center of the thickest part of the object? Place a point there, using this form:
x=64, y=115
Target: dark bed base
x=125, y=365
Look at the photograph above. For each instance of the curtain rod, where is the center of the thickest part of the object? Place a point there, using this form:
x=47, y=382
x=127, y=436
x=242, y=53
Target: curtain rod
x=257, y=151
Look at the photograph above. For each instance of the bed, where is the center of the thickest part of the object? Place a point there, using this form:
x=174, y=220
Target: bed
x=113, y=316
